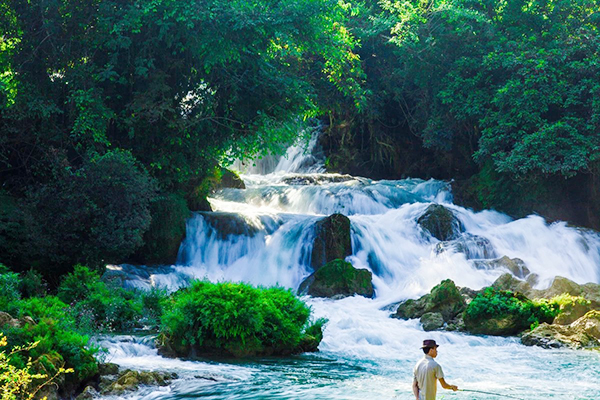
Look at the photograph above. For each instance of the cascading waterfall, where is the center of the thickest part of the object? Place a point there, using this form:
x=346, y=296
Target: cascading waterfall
x=263, y=235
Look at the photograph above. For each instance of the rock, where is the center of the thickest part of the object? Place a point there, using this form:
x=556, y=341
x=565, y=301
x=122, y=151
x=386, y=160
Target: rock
x=167, y=230
x=457, y=324
x=229, y=179
x=515, y=266
x=227, y=224
x=444, y=299
x=432, y=321
x=108, y=369
x=584, y=333
x=572, y=310
x=441, y=223
x=510, y=282
x=472, y=246
x=131, y=380
x=332, y=240
x=88, y=394
x=316, y=179
x=338, y=278
x=505, y=325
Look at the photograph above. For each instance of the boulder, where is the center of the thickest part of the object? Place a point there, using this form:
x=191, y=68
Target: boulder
x=444, y=299
x=227, y=224
x=130, y=380
x=515, y=266
x=332, y=240
x=572, y=309
x=88, y=393
x=472, y=246
x=166, y=232
x=504, y=325
x=338, y=278
x=584, y=333
x=432, y=321
x=108, y=369
x=441, y=223
x=229, y=179
x=510, y=282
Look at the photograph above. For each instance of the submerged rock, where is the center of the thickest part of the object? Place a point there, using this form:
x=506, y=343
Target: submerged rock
x=332, y=240
x=316, y=179
x=338, y=278
x=130, y=380
x=584, y=333
x=472, y=246
x=444, y=299
x=441, y=223
x=515, y=266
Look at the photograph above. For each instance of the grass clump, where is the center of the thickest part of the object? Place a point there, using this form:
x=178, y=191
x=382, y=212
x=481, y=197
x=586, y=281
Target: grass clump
x=238, y=320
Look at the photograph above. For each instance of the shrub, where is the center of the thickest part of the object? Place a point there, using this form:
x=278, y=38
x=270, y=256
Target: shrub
x=236, y=319
x=502, y=312
x=55, y=330
x=98, y=306
x=20, y=383
x=33, y=284
x=9, y=289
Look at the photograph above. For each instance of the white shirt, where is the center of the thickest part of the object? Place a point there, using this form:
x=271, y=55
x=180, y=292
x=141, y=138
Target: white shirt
x=427, y=372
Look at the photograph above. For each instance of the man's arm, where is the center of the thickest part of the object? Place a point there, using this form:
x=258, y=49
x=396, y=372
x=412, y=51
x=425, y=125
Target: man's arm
x=445, y=385
x=416, y=389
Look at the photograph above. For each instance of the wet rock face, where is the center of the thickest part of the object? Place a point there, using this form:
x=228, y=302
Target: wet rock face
x=584, y=333
x=515, y=266
x=227, y=224
x=472, y=246
x=444, y=299
x=130, y=380
x=316, y=179
x=336, y=279
x=441, y=223
x=332, y=240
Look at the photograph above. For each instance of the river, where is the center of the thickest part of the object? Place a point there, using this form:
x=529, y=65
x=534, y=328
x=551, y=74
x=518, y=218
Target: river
x=263, y=235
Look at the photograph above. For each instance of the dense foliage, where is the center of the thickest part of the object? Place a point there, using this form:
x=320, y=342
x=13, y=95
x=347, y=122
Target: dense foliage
x=98, y=95
x=21, y=383
x=510, y=312
x=239, y=320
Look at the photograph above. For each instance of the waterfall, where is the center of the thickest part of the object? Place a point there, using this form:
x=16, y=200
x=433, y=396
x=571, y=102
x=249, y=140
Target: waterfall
x=263, y=235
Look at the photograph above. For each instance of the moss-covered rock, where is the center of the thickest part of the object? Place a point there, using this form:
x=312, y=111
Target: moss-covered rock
x=332, y=240
x=444, y=299
x=572, y=308
x=131, y=380
x=441, y=223
x=338, y=278
x=584, y=333
x=432, y=321
x=196, y=191
x=167, y=230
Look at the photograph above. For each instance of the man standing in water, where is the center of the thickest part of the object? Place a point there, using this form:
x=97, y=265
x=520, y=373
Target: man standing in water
x=427, y=373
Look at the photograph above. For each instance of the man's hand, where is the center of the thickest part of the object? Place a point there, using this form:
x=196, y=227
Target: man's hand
x=453, y=387
x=446, y=385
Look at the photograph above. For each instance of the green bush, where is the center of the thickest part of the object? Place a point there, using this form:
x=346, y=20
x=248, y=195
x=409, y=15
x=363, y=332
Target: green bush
x=102, y=307
x=236, y=319
x=97, y=306
x=10, y=283
x=60, y=345
x=502, y=312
